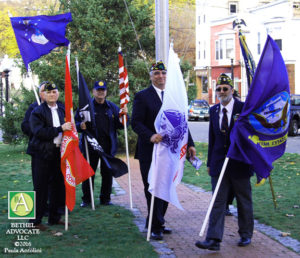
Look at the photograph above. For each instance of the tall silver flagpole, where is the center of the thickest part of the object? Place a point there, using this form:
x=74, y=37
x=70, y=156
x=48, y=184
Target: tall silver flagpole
x=161, y=52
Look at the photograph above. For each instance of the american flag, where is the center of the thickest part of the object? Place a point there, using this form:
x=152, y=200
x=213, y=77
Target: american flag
x=123, y=84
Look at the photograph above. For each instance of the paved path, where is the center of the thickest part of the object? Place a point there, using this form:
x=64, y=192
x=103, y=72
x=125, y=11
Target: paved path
x=186, y=224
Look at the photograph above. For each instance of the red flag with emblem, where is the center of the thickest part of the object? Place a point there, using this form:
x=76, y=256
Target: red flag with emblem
x=123, y=84
x=74, y=167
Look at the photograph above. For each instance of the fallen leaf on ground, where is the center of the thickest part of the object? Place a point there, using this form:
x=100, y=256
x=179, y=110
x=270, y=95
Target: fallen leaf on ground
x=285, y=234
x=289, y=215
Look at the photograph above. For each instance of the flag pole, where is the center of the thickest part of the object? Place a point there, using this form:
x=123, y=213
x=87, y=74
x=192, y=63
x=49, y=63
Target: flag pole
x=66, y=207
x=272, y=190
x=32, y=85
x=86, y=146
x=150, y=217
x=127, y=156
x=213, y=197
x=90, y=178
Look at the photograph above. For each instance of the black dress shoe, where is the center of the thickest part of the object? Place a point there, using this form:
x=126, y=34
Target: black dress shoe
x=84, y=204
x=209, y=244
x=156, y=236
x=167, y=231
x=244, y=241
x=106, y=203
x=228, y=213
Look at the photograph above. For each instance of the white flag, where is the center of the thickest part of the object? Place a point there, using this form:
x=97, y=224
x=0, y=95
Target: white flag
x=171, y=122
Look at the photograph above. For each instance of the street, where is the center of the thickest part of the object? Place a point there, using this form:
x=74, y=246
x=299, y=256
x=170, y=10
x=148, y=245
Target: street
x=199, y=131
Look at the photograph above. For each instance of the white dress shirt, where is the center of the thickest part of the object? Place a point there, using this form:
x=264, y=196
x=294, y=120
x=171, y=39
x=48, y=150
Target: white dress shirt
x=158, y=91
x=229, y=108
x=56, y=123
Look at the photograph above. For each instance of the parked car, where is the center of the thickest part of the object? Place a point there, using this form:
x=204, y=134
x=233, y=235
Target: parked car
x=198, y=109
x=295, y=115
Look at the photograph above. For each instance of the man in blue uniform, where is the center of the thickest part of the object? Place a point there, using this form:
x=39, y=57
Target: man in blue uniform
x=237, y=174
x=107, y=123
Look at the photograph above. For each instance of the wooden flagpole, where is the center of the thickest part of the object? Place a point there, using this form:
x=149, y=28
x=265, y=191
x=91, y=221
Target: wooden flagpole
x=213, y=197
x=86, y=148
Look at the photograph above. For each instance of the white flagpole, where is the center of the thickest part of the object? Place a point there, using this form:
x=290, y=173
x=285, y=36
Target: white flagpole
x=86, y=148
x=213, y=197
x=32, y=85
x=128, y=163
x=150, y=217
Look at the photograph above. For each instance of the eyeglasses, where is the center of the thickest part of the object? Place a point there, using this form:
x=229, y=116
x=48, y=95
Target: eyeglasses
x=160, y=72
x=222, y=88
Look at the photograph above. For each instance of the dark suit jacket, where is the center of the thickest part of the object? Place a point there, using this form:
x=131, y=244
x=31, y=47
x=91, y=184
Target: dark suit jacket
x=146, y=106
x=218, y=145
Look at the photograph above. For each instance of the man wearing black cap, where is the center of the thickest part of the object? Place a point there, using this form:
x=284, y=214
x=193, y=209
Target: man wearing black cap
x=107, y=122
x=47, y=124
x=146, y=106
x=237, y=174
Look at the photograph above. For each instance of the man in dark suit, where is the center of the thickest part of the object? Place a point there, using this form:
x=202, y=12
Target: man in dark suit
x=146, y=106
x=47, y=125
x=237, y=174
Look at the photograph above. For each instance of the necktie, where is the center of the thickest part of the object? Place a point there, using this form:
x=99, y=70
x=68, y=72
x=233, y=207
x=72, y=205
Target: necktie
x=162, y=96
x=224, y=123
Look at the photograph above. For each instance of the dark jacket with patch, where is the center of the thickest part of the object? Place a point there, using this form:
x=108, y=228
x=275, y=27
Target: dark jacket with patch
x=218, y=145
x=112, y=112
x=41, y=126
x=146, y=106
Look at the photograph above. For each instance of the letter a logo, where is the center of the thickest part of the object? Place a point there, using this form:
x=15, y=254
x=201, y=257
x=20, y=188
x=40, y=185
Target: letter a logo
x=21, y=205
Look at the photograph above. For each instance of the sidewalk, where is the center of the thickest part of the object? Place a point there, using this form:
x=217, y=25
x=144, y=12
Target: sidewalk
x=186, y=224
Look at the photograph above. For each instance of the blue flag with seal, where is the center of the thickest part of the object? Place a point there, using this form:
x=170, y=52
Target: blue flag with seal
x=260, y=133
x=38, y=35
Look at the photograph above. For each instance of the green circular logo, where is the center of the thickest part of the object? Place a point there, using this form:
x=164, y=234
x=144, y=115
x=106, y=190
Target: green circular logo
x=21, y=204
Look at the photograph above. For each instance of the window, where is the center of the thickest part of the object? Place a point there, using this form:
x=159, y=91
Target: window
x=258, y=43
x=279, y=43
x=204, y=54
x=217, y=50
x=229, y=48
x=199, y=52
x=204, y=18
x=199, y=19
x=232, y=8
x=221, y=49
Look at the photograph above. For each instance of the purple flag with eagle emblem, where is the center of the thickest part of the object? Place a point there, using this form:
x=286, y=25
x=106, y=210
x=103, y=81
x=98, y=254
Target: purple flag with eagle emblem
x=38, y=35
x=171, y=122
x=260, y=133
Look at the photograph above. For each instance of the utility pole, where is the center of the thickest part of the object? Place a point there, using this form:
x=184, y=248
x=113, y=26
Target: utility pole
x=162, y=30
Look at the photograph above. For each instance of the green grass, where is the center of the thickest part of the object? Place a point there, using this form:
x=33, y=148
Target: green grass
x=286, y=183
x=108, y=231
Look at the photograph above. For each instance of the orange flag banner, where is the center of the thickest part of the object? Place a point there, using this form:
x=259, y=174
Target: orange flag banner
x=74, y=167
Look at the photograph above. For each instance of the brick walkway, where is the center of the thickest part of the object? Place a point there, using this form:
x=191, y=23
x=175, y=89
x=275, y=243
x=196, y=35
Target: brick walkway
x=187, y=224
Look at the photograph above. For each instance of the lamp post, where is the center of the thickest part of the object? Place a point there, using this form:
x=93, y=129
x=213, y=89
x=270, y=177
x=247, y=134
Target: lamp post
x=6, y=72
x=1, y=95
x=232, y=72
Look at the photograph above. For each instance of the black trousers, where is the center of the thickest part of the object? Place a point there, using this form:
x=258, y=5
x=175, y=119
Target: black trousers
x=160, y=206
x=241, y=188
x=106, y=186
x=48, y=183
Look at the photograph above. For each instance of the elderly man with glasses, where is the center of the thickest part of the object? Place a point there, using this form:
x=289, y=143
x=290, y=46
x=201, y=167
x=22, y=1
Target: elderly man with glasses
x=237, y=174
